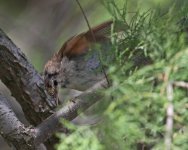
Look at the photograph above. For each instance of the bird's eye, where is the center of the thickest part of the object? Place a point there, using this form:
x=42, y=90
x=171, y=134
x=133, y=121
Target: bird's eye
x=50, y=75
x=45, y=72
x=55, y=82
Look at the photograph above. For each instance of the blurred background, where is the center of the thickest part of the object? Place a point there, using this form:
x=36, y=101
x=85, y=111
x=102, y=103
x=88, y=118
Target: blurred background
x=40, y=27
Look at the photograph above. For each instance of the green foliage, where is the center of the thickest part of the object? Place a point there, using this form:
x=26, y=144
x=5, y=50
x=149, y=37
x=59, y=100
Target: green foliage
x=83, y=138
x=150, y=53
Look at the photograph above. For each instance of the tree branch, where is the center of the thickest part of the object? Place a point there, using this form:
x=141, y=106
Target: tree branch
x=169, y=120
x=70, y=111
x=13, y=131
x=25, y=84
x=28, y=137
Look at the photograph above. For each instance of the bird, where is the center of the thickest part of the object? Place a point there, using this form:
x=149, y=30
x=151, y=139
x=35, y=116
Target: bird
x=76, y=65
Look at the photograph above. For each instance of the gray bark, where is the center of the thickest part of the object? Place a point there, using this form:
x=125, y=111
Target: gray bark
x=26, y=85
x=13, y=131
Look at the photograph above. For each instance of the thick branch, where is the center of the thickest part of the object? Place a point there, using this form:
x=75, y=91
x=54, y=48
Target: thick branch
x=24, y=82
x=29, y=138
x=26, y=86
x=13, y=130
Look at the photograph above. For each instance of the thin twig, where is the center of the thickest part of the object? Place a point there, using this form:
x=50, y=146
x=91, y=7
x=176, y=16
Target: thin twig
x=181, y=84
x=170, y=114
x=87, y=21
x=93, y=36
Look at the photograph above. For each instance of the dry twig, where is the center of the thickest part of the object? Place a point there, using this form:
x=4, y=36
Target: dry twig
x=170, y=115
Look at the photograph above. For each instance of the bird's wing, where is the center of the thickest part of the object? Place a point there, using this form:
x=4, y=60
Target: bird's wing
x=100, y=32
x=79, y=44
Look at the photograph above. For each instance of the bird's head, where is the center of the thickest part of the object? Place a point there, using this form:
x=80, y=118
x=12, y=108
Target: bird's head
x=51, y=71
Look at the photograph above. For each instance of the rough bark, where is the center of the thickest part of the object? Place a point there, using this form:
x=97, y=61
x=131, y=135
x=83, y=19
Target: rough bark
x=26, y=85
x=31, y=138
x=13, y=131
x=23, y=81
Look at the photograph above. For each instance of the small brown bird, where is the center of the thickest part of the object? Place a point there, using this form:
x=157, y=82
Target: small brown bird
x=75, y=65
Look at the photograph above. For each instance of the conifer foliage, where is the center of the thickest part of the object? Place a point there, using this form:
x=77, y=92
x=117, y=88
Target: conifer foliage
x=146, y=106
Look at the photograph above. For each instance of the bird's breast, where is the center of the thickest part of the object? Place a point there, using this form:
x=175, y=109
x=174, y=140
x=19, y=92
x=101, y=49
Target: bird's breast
x=92, y=62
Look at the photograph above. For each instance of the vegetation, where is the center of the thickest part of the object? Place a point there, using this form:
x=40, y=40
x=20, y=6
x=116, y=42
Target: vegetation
x=135, y=107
